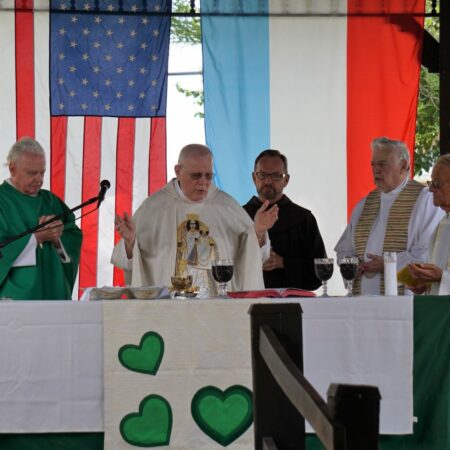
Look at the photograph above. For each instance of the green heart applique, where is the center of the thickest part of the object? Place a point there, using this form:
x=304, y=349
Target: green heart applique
x=223, y=415
x=151, y=426
x=145, y=357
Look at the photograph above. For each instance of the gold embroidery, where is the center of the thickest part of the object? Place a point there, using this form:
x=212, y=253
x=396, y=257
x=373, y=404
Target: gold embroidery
x=396, y=236
x=195, y=249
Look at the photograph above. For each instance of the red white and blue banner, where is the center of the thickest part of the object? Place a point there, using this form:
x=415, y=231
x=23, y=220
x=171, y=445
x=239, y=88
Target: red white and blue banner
x=317, y=80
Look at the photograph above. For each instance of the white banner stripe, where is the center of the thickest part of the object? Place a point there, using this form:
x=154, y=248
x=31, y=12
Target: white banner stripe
x=41, y=88
x=314, y=138
x=7, y=87
x=74, y=161
x=107, y=208
x=141, y=159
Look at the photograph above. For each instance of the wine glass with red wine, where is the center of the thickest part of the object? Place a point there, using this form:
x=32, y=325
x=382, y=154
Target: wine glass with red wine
x=324, y=270
x=348, y=265
x=222, y=272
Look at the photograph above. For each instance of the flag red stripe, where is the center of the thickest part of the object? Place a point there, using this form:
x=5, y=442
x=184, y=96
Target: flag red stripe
x=58, y=144
x=124, y=177
x=24, y=34
x=157, y=176
x=90, y=188
x=383, y=68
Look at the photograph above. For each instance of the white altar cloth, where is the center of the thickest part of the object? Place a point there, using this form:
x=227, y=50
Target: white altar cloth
x=51, y=375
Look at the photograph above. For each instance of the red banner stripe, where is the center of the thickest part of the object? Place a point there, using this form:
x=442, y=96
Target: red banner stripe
x=90, y=188
x=157, y=176
x=379, y=105
x=24, y=30
x=124, y=177
x=58, y=148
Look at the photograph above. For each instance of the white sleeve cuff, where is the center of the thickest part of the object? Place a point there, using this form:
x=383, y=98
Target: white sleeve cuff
x=265, y=249
x=28, y=255
x=65, y=258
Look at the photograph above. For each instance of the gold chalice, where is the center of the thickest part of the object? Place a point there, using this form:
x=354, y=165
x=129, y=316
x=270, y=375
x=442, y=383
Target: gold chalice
x=181, y=283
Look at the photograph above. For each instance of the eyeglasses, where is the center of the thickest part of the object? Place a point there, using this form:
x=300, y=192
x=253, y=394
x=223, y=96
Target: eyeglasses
x=274, y=176
x=197, y=175
x=436, y=184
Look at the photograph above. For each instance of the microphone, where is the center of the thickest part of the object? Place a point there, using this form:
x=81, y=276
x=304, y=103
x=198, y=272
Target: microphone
x=104, y=186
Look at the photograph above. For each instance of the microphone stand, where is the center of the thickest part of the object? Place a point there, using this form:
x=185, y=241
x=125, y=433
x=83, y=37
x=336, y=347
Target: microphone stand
x=53, y=219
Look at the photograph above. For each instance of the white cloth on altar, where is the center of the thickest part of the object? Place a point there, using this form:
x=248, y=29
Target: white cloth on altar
x=155, y=249
x=422, y=224
x=367, y=341
x=440, y=255
x=52, y=376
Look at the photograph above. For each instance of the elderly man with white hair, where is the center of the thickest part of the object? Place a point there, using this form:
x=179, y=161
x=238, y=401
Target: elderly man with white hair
x=398, y=216
x=44, y=264
x=434, y=276
x=183, y=227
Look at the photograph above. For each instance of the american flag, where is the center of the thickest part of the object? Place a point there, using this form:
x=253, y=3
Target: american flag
x=88, y=80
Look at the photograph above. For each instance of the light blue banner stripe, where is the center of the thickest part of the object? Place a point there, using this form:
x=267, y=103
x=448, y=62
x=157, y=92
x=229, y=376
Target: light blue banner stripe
x=237, y=91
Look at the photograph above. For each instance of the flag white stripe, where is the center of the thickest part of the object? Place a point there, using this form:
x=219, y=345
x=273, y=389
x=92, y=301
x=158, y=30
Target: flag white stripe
x=74, y=161
x=106, y=211
x=41, y=88
x=74, y=165
x=141, y=161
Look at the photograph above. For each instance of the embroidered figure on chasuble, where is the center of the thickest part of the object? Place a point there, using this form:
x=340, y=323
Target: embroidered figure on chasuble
x=195, y=251
x=183, y=226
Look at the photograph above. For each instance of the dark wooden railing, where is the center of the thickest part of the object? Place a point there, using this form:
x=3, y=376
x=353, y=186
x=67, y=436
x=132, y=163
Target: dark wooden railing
x=283, y=398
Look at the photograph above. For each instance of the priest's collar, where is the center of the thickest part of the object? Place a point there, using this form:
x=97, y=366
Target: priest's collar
x=182, y=195
x=8, y=180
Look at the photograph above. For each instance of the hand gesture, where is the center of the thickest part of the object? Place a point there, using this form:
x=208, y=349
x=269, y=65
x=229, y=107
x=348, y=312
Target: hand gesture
x=275, y=261
x=265, y=218
x=419, y=288
x=425, y=272
x=371, y=267
x=50, y=232
x=125, y=227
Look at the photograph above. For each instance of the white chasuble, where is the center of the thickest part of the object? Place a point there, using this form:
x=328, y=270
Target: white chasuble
x=440, y=255
x=176, y=235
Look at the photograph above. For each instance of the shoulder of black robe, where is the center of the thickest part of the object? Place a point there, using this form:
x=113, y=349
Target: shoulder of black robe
x=252, y=206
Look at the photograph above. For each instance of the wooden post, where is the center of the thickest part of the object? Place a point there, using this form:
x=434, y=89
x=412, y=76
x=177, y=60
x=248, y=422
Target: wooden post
x=274, y=415
x=444, y=71
x=357, y=408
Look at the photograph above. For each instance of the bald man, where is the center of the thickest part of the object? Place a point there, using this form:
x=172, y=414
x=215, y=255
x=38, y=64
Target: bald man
x=184, y=226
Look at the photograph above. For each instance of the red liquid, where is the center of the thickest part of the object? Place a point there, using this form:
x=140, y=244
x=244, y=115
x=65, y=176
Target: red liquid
x=222, y=274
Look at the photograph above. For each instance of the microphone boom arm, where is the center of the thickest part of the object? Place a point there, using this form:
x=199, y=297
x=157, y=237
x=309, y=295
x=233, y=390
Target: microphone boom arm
x=43, y=224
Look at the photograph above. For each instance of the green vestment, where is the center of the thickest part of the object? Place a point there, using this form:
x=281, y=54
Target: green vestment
x=49, y=279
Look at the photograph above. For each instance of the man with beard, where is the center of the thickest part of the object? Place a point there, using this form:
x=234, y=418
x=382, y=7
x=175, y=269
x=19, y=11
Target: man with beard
x=295, y=237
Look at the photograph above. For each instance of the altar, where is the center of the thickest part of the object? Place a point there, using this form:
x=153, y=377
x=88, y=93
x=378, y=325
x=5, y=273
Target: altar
x=59, y=358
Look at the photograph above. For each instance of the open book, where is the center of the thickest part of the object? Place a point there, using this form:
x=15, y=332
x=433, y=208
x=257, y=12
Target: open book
x=274, y=292
x=115, y=293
